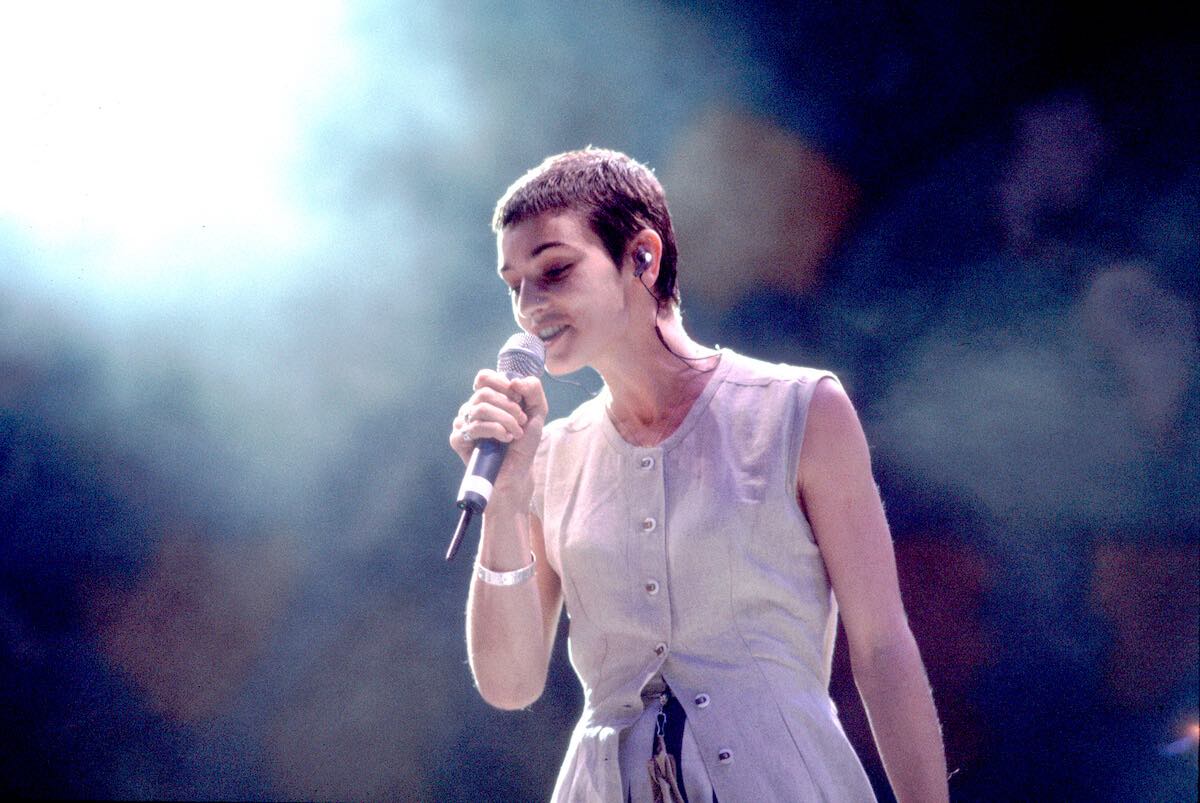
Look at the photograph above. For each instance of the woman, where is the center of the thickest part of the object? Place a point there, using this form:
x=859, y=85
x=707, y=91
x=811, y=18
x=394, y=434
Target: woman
x=699, y=518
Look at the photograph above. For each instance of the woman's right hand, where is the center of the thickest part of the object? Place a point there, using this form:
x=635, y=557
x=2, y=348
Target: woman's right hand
x=511, y=411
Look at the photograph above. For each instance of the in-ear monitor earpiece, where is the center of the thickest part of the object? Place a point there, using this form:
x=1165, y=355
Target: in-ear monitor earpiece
x=643, y=258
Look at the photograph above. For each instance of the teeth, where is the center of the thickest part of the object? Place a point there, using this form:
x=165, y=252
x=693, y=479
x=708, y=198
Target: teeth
x=550, y=331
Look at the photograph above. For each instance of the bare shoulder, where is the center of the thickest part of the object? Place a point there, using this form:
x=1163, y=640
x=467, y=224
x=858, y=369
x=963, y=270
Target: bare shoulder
x=833, y=436
x=831, y=405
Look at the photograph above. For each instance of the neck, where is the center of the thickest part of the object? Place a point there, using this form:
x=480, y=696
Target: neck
x=652, y=388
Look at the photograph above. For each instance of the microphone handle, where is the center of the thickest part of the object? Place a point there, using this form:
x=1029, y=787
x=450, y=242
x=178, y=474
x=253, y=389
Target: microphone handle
x=476, y=489
x=482, y=470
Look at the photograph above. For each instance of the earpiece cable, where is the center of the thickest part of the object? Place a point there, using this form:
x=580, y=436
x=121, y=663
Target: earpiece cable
x=686, y=360
x=591, y=394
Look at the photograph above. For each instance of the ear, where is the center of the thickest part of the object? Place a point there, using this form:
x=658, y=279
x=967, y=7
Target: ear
x=643, y=255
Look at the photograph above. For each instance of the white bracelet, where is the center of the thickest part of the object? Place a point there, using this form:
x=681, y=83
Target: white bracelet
x=513, y=578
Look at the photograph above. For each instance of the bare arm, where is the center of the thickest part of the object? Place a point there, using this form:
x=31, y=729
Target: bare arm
x=839, y=495
x=510, y=629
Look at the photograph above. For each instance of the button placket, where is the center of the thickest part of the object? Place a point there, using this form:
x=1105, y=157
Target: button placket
x=647, y=500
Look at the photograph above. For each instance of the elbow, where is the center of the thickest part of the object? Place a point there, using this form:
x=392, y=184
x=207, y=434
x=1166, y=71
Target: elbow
x=509, y=696
x=504, y=685
x=891, y=651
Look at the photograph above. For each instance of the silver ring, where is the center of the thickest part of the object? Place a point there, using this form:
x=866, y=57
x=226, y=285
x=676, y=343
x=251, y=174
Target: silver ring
x=466, y=436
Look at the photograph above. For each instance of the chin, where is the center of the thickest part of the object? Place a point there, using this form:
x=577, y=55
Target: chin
x=560, y=367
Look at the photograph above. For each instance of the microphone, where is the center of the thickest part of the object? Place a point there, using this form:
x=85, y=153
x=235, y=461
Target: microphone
x=523, y=355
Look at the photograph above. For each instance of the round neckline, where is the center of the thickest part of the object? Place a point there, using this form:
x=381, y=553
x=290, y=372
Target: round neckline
x=685, y=426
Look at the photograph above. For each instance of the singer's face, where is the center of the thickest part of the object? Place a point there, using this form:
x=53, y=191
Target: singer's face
x=565, y=289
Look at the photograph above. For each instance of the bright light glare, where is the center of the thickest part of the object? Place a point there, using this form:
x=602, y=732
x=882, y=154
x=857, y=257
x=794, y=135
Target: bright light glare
x=146, y=140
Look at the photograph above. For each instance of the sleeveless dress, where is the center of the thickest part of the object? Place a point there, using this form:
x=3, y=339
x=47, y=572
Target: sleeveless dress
x=692, y=560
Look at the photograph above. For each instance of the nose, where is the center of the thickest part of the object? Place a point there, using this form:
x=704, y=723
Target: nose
x=530, y=298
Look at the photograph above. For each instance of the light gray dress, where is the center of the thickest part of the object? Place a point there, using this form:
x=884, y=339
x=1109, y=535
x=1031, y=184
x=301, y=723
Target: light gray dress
x=693, y=559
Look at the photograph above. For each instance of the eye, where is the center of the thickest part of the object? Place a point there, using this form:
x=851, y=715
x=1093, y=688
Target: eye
x=556, y=273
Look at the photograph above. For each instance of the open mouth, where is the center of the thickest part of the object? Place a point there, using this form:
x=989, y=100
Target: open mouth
x=551, y=333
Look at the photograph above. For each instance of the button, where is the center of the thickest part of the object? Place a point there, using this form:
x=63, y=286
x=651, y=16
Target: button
x=725, y=756
x=660, y=648
x=648, y=524
x=651, y=587
x=702, y=701
x=646, y=462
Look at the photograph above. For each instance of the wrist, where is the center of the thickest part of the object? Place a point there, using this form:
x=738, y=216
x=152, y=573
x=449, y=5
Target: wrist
x=513, y=577
x=504, y=542
x=513, y=486
x=509, y=500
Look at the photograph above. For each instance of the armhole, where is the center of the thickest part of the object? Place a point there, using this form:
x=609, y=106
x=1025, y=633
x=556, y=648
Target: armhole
x=537, y=500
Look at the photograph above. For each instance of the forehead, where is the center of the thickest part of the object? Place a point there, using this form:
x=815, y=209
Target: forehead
x=522, y=242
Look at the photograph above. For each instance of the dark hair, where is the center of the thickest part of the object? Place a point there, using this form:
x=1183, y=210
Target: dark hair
x=617, y=195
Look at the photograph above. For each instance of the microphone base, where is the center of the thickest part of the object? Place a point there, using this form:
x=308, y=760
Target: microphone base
x=464, y=521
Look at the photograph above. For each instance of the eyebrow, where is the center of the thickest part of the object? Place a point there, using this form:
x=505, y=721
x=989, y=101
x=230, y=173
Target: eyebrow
x=537, y=250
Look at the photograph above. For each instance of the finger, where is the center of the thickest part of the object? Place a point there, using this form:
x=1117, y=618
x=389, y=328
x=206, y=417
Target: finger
x=509, y=420
x=461, y=447
x=478, y=430
x=533, y=395
x=499, y=382
x=486, y=398
x=487, y=378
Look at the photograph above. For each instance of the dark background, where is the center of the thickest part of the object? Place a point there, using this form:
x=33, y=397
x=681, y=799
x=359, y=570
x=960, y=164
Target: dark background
x=246, y=277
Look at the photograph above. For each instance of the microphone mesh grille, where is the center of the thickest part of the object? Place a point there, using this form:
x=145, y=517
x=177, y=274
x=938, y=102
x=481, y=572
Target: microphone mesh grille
x=523, y=355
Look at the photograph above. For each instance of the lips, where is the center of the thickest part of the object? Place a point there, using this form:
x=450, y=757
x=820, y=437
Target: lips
x=549, y=333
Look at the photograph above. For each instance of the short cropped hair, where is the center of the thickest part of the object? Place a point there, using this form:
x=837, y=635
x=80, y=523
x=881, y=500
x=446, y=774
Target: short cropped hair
x=618, y=197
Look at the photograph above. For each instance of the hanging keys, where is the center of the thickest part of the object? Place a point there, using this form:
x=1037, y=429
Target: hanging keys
x=664, y=782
